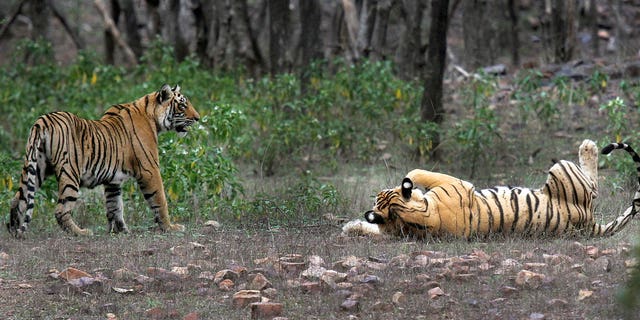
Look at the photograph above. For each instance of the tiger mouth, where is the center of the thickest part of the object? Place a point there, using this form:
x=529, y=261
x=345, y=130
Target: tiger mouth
x=184, y=128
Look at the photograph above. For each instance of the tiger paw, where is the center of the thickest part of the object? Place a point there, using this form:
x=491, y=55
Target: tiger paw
x=174, y=227
x=588, y=150
x=83, y=232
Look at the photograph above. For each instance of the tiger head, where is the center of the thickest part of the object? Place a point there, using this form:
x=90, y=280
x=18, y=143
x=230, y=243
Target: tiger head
x=176, y=111
x=402, y=211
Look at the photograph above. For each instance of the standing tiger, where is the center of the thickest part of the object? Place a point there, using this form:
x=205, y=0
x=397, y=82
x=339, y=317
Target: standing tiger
x=451, y=206
x=88, y=153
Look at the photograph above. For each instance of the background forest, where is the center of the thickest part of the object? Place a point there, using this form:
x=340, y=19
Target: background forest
x=312, y=106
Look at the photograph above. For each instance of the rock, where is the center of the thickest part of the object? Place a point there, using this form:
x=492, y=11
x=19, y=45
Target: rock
x=163, y=274
x=529, y=279
x=310, y=287
x=331, y=278
x=206, y=275
x=534, y=265
x=225, y=274
x=536, y=316
x=258, y=282
x=434, y=293
x=592, y=251
x=182, y=271
x=507, y=290
x=316, y=260
x=602, y=264
x=212, y=224
x=350, y=305
x=226, y=285
x=265, y=310
x=313, y=272
x=243, y=298
x=398, y=298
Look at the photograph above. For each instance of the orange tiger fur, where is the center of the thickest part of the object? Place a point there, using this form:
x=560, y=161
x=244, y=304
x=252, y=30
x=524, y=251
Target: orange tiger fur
x=88, y=153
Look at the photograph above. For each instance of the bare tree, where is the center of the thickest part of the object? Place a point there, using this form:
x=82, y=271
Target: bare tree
x=431, y=105
x=558, y=28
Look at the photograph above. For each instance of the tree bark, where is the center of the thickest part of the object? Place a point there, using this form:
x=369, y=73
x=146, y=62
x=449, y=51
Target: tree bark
x=279, y=35
x=310, y=16
x=431, y=105
x=515, y=41
x=475, y=32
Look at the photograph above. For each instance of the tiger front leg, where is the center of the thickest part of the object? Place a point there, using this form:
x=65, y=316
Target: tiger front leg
x=588, y=159
x=153, y=191
x=113, y=200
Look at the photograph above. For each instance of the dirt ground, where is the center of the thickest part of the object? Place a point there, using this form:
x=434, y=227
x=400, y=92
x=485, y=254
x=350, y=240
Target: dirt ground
x=314, y=273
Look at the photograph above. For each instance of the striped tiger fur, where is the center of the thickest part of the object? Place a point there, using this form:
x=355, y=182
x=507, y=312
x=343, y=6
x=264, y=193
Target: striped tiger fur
x=451, y=206
x=88, y=153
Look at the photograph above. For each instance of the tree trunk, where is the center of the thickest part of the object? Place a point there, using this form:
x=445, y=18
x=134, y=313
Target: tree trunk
x=476, y=33
x=246, y=40
x=515, y=42
x=431, y=105
x=279, y=35
x=379, y=42
x=310, y=39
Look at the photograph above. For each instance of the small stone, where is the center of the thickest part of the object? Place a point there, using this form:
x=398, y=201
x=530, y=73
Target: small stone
x=526, y=278
x=435, y=292
x=183, y=271
x=265, y=310
x=602, y=264
x=213, y=224
x=398, y=298
x=536, y=316
x=350, y=305
x=225, y=274
x=507, y=290
x=258, y=282
x=592, y=251
x=226, y=285
x=243, y=298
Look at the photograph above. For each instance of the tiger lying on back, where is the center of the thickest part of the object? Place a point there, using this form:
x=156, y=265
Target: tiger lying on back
x=88, y=153
x=451, y=206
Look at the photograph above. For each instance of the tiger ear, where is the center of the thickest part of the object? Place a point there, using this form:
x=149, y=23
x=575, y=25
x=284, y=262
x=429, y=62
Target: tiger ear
x=407, y=188
x=165, y=93
x=176, y=89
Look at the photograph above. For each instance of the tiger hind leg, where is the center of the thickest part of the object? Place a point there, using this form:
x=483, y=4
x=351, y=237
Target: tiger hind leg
x=68, y=193
x=113, y=199
x=33, y=174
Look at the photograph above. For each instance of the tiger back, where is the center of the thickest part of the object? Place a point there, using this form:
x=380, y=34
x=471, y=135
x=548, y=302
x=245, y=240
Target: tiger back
x=123, y=144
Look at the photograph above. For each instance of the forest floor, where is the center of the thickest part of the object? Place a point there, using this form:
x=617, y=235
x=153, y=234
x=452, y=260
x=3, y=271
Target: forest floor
x=213, y=272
